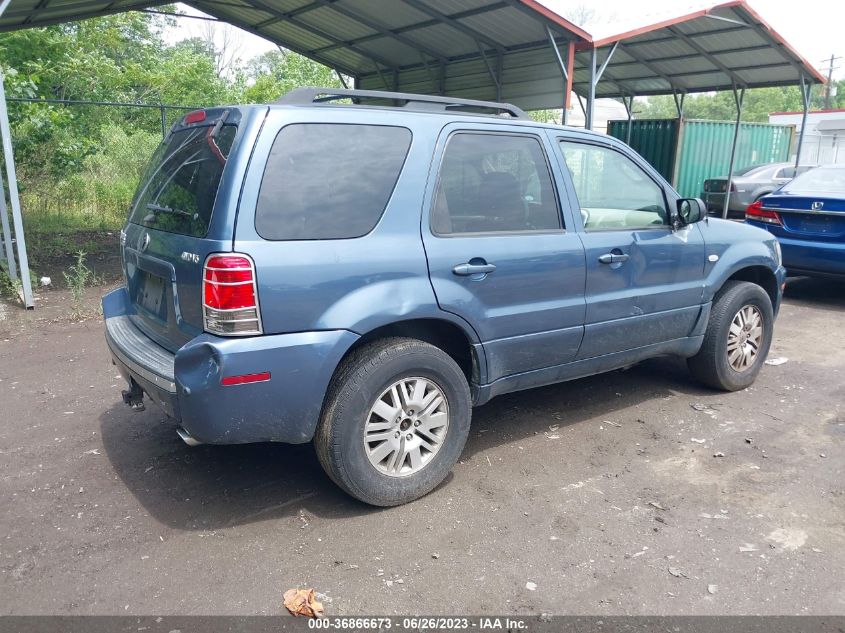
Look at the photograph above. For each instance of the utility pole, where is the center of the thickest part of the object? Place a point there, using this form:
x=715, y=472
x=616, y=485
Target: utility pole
x=828, y=89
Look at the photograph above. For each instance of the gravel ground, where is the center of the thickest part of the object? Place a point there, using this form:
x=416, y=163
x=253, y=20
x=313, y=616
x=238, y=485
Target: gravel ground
x=636, y=492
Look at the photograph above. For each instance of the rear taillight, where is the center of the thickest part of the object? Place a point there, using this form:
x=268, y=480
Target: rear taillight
x=757, y=213
x=230, y=296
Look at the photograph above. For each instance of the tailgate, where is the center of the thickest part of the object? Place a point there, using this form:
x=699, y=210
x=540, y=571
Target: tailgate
x=167, y=237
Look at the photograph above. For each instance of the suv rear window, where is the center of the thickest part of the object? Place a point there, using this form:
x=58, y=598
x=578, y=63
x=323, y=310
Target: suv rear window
x=178, y=189
x=329, y=181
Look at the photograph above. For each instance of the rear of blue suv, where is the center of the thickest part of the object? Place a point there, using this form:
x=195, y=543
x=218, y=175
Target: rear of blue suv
x=363, y=275
x=188, y=329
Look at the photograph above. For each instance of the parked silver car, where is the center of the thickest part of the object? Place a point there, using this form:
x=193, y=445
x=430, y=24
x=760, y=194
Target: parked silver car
x=749, y=185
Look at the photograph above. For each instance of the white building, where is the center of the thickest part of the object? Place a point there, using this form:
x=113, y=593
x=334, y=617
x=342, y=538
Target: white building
x=605, y=110
x=824, y=140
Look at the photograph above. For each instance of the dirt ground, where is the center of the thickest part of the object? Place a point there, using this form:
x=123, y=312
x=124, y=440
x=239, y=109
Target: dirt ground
x=636, y=492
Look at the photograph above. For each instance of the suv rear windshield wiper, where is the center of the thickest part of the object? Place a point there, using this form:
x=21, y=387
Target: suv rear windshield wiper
x=157, y=208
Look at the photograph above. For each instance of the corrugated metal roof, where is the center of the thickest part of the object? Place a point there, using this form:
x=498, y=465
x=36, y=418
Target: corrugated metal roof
x=466, y=47
x=707, y=50
x=461, y=46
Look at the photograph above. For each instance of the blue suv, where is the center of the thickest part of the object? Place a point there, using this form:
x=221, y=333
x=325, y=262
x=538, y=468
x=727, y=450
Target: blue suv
x=360, y=269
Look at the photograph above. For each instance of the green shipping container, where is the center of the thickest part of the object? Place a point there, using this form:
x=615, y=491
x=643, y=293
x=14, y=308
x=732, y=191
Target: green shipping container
x=656, y=140
x=702, y=149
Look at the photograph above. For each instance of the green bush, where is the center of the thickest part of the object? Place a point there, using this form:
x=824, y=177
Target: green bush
x=99, y=193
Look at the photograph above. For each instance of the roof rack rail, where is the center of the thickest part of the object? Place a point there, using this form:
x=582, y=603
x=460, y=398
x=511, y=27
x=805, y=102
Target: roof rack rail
x=310, y=95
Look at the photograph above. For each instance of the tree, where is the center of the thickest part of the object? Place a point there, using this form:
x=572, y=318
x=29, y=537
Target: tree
x=580, y=14
x=89, y=157
x=224, y=43
x=115, y=58
x=720, y=106
x=274, y=73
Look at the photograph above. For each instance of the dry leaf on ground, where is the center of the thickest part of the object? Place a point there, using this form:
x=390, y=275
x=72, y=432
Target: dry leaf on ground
x=303, y=602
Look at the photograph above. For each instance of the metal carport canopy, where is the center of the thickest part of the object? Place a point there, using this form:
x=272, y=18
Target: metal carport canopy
x=490, y=49
x=480, y=49
x=502, y=50
x=709, y=50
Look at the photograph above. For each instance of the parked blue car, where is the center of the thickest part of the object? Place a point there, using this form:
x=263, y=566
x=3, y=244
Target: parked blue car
x=363, y=274
x=807, y=216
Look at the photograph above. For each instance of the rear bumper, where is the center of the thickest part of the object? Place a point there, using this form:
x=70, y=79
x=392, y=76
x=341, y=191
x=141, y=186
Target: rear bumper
x=140, y=359
x=811, y=257
x=808, y=256
x=187, y=384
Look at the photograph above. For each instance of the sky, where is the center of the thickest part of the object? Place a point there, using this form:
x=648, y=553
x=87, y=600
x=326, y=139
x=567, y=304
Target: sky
x=815, y=28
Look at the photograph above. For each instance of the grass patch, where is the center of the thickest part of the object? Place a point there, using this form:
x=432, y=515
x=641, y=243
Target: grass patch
x=96, y=193
x=7, y=286
x=45, y=215
x=79, y=277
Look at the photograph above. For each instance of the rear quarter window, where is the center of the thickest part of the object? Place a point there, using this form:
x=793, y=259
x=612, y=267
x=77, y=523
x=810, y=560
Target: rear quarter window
x=329, y=181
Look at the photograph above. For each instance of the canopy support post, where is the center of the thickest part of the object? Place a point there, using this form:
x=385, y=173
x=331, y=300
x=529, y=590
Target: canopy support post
x=595, y=77
x=628, y=102
x=679, y=102
x=565, y=70
x=805, y=99
x=381, y=76
x=570, y=69
x=591, y=93
x=442, y=80
x=500, y=69
x=739, y=97
x=581, y=103
x=14, y=199
x=9, y=254
x=494, y=75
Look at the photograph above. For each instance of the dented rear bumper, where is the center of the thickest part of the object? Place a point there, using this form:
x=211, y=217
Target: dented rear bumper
x=187, y=384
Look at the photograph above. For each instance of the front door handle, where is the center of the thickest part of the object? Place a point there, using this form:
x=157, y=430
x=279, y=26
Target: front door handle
x=613, y=258
x=468, y=269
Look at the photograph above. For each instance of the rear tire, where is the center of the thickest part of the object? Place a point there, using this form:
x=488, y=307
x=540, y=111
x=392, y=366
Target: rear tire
x=395, y=421
x=737, y=339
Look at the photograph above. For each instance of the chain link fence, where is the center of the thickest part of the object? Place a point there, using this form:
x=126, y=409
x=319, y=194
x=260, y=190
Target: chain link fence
x=79, y=162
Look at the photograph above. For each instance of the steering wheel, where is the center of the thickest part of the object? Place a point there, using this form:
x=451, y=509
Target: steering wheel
x=658, y=210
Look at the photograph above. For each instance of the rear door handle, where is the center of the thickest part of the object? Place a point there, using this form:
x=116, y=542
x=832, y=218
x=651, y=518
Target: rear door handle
x=613, y=258
x=465, y=270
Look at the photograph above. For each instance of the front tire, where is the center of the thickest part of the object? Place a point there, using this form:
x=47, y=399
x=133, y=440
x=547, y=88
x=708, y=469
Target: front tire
x=395, y=421
x=738, y=337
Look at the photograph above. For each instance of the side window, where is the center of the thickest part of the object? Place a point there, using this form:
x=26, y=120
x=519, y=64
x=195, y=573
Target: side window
x=613, y=191
x=786, y=172
x=494, y=183
x=329, y=181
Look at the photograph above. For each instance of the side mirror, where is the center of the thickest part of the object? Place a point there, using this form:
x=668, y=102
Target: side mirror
x=690, y=211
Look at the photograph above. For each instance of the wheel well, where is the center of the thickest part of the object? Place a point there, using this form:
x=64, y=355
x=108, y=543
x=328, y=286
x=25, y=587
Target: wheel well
x=442, y=334
x=761, y=276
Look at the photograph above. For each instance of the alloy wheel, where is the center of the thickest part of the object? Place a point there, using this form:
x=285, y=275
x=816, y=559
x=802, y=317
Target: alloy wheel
x=406, y=426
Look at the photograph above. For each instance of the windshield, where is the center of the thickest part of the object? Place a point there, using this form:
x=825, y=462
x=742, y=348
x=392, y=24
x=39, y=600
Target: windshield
x=822, y=180
x=178, y=189
x=748, y=171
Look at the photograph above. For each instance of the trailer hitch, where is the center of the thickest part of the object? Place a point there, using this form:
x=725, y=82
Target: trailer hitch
x=134, y=396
